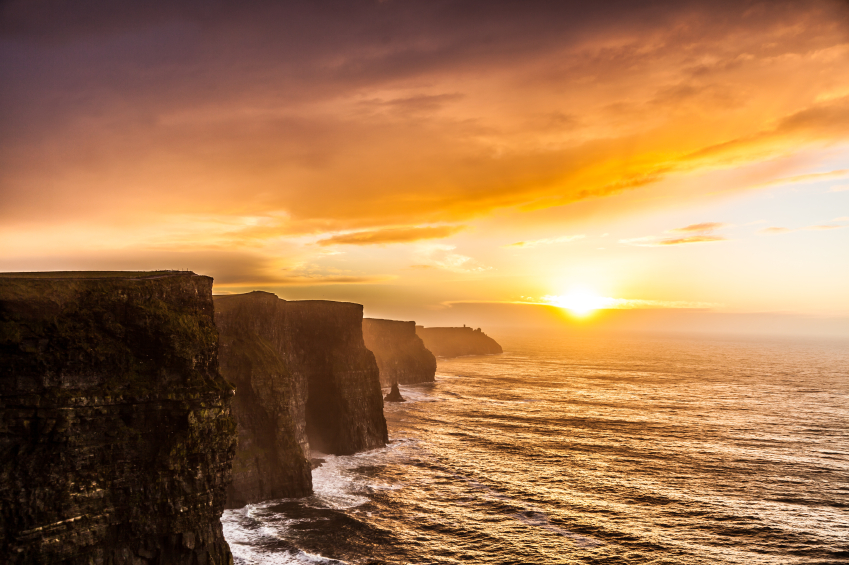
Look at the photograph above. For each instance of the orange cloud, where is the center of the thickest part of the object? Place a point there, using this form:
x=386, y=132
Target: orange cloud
x=703, y=231
x=706, y=226
x=691, y=239
x=546, y=241
x=364, y=132
x=391, y=235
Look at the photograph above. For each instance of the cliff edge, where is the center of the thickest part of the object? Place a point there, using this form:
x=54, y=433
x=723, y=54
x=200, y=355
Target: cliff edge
x=401, y=355
x=117, y=437
x=304, y=380
x=454, y=342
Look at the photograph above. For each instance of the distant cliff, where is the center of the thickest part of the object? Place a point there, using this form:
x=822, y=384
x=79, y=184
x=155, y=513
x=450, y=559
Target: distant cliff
x=117, y=436
x=304, y=379
x=401, y=354
x=454, y=342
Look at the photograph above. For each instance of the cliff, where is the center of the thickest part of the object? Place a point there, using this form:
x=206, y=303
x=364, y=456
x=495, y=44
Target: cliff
x=304, y=379
x=401, y=354
x=117, y=438
x=454, y=342
x=272, y=455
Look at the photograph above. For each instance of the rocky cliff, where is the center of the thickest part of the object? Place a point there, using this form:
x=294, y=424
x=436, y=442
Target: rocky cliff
x=401, y=354
x=117, y=439
x=272, y=456
x=454, y=342
x=304, y=379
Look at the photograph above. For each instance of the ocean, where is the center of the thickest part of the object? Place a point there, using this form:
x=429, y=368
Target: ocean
x=619, y=449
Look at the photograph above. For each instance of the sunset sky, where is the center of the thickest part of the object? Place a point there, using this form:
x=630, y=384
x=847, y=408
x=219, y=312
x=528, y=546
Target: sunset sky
x=417, y=156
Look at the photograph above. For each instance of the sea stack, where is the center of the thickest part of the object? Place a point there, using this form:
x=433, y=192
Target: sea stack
x=401, y=354
x=455, y=342
x=304, y=380
x=118, y=439
x=394, y=395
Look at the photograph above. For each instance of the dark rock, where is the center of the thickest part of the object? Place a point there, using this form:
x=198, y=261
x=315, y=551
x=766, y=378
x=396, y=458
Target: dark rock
x=455, y=342
x=304, y=379
x=272, y=456
x=394, y=395
x=117, y=436
x=401, y=355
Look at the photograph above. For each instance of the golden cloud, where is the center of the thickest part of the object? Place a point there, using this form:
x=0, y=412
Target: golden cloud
x=703, y=227
x=391, y=235
x=546, y=241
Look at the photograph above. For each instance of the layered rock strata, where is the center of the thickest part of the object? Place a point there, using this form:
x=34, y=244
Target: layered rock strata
x=455, y=342
x=117, y=439
x=401, y=355
x=304, y=379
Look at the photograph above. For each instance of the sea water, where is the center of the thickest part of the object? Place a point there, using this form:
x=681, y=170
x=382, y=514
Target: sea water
x=589, y=449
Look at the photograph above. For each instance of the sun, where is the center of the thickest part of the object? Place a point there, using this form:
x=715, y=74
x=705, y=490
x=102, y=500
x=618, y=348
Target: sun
x=580, y=302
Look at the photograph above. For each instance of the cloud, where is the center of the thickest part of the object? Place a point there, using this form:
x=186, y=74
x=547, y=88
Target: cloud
x=703, y=233
x=609, y=303
x=692, y=239
x=262, y=126
x=546, y=241
x=268, y=282
x=819, y=227
x=441, y=256
x=374, y=115
x=391, y=235
x=703, y=227
x=811, y=177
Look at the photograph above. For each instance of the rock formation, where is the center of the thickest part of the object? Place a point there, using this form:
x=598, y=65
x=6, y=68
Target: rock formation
x=117, y=436
x=394, y=395
x=304, y=379
x=401, y=355
x=272, y=456
x=454, y=342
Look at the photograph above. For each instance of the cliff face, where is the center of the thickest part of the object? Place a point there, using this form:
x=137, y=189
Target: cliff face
x=117, y=438
x=401, y=354
x=344, y=410
x=272, y=456
x=454, y=342
x=304, y=379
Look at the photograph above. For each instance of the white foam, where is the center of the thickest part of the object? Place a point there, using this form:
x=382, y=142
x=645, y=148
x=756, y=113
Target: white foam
x=255, y=535
x=336, y=484
x=255, y=542
x=291, y=557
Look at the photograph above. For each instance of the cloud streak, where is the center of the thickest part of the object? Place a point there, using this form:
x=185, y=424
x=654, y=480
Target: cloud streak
x=702, y=233
x=819, y=227
x=391, y=235
x=546, y=241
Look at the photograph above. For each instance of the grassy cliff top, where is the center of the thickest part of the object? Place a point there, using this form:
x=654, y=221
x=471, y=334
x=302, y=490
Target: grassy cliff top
x=93, y=274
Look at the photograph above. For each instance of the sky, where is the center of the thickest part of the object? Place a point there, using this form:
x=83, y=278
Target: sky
x=431, y=158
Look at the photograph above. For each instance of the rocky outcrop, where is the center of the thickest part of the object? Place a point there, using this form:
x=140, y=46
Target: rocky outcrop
x=117, y=438
x=401, y=355
x=304, y=380
x=454, y=342
x=394, y=395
